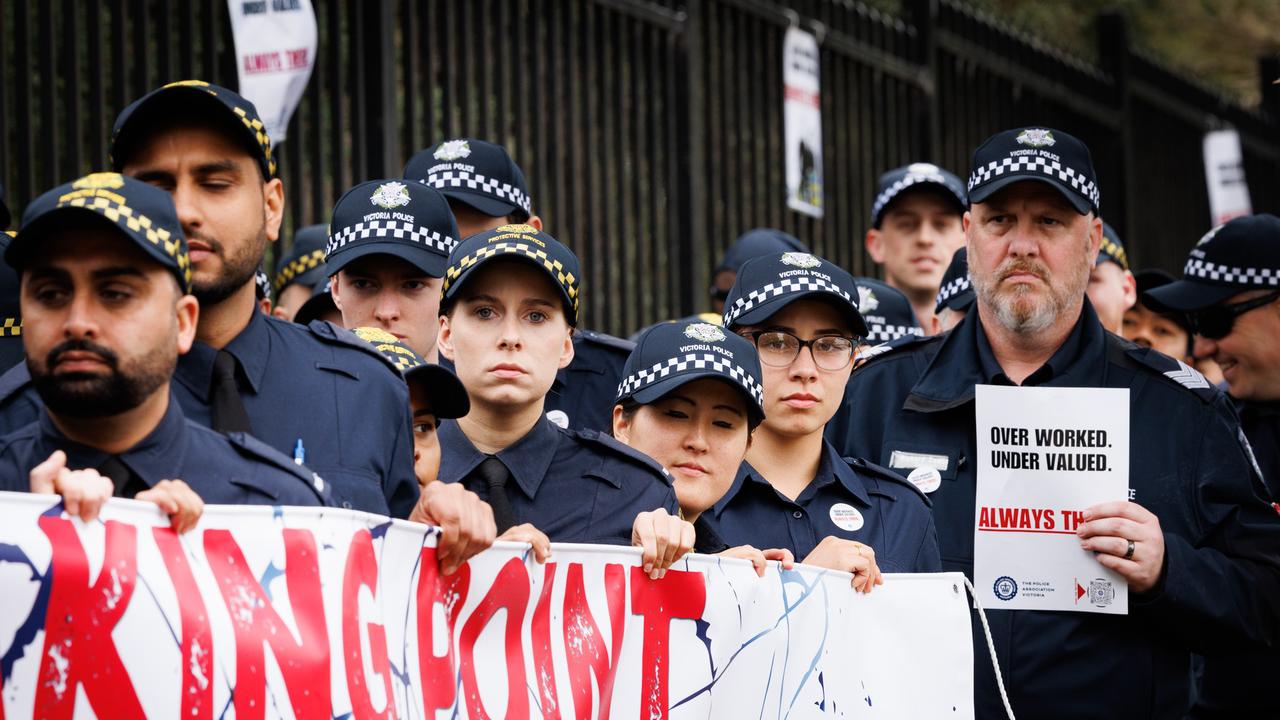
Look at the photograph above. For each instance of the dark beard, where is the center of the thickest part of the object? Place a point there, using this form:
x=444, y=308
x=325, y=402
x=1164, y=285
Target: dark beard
x=85, y=395
x=237, y=271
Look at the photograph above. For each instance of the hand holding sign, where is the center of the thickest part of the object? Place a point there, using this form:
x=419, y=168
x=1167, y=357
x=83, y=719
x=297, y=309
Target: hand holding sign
x=1109, y=528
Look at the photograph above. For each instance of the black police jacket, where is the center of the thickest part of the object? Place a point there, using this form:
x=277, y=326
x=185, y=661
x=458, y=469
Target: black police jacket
x=1188, y=465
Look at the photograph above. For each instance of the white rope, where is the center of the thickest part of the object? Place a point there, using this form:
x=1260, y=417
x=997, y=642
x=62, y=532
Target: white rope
x=991, y=648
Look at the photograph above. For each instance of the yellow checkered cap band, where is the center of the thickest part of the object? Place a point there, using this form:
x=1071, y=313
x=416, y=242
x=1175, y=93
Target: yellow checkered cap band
x=113, y=207
x=298, y=266
x=12, y=327
x=562, y=275
x=400, y=355
x=1113, y=250
x=255, y=126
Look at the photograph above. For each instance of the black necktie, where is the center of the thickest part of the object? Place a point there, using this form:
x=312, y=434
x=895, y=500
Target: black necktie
x=228, y=409
x=493, y=475
x=127, y=483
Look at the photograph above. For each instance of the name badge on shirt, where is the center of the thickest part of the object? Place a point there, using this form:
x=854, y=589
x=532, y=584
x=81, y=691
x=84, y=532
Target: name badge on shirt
x=903, y=460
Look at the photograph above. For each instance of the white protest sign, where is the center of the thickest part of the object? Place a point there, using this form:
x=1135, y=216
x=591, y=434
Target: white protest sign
x=1224, y=176
x=802, y=122
x=275, y=50
x=1045, y=454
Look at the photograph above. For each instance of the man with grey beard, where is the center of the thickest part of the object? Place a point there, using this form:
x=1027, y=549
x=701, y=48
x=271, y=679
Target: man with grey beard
x=1195, y=541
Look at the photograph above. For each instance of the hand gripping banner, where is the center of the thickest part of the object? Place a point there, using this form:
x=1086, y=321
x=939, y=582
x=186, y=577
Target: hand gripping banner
x=317, y=613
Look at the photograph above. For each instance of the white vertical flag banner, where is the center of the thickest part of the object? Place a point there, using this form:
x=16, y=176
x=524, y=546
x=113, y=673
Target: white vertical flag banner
x=275, y=51
x=802, y=120
x=1224, y=175
x=1045, y=455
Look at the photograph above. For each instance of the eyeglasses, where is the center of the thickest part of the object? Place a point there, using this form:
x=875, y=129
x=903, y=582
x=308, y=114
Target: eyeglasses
x=1215, y=322
x=780, y=349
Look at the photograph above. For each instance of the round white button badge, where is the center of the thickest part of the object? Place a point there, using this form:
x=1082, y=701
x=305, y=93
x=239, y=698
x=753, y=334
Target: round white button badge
x=559, y=417
x=926, y=478
x=846, y=517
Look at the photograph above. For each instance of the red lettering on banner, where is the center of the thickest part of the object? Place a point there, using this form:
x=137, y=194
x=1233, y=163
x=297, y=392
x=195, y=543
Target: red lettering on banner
x=436, y=673
x=305, y=664
x=544, y=669
x=583, y=645
x=78, y=649
x=510, y=591
x=197, y=638
x=362, y=571
x=679, y=594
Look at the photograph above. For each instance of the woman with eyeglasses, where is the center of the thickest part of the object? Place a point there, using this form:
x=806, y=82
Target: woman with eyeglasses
x=794, y=490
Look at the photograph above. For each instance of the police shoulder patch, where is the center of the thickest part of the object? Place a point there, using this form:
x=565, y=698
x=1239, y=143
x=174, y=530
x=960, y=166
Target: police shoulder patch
x=613, y=448
x=880, y=473
x=1175, y=371
x=342, y=337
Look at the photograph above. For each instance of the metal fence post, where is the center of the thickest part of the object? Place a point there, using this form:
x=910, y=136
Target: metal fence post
x=380, y=80
x=691, y=164
x=923, y=14
x=1114, y=56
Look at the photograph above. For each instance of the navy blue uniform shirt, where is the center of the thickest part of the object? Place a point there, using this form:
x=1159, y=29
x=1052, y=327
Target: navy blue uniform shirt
x=913, y=406
x=584, y=391
x=233, y=469
x=894, y=516
x=574, y=485
x=319, y=384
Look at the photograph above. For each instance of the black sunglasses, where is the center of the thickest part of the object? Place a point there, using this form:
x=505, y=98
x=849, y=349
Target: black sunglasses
x=1214, y=323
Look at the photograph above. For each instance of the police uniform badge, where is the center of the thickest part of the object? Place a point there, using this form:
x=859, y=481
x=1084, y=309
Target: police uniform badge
x=923, y=169
x=1036, y=138
x=452, y=150
x=390, y=195
x=867, y=300
x=704, y=332
x=800, y=260
x=103, y=180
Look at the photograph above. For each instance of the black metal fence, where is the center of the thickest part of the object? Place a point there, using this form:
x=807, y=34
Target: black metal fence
x=650, y=130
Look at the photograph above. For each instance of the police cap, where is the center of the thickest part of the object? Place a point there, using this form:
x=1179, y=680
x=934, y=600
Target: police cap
x=1243, y=254
x=447, y=396
x=521, y=242
x=1040, y=154
x=389, y=217
x=1112, y=248
x=304, y=264
x=476, y=173
x=917, y=176
x=755, y=243
x=767, y=284
x=887, y=311
x=956, y=291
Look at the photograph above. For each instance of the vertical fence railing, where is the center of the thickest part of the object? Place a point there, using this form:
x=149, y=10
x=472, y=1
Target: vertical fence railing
x=650, y=130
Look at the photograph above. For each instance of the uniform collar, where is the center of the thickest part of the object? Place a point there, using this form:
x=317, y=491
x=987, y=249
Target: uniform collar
x=251, y=349
x=158, y=456
x=528, y=458
x=965, y=359
x=831, y=468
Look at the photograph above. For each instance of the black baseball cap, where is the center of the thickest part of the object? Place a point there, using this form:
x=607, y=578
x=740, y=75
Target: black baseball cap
x=216, y=99
x=319, y=304
x=390, y=217
x=755, y=243
x=447, y=395
x=1243, y=254
x=767, y=284
x=917, y=176
x=521, y=242
x=1112, y=248
x=141, y=212
x=1035, y=153
x=956, y=291
x=886, y=310
x=304, y=264
x=669, y=355
x=476, y=173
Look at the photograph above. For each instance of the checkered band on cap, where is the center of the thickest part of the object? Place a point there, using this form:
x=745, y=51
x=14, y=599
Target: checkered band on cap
x=951, y=289
x=885, y=333
x=122, y=214
x=1259, y=277
x=402, y=357
x=300, y=265
x=785, y=286
x=1033, y=164
x=12, y=327
x=692, y=361
x=1110, y=248
x=389, y=228
x=259, y=131
x=901, y=184
x=447, y=179
x=538, y=255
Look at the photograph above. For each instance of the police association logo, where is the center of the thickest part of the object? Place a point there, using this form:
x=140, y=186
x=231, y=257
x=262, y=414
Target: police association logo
x=922, y=169
x=452, y=150
x=94, y=181
x=1005, y=588
x=867, y=300
x=390, y=195
x=800, y=260
x=1101, y=592
x=1037, y=137
x=704, y=332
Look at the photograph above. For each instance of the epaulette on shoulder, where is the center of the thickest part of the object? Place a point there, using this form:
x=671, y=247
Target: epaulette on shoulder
x=605, y=340
x=14, y=382
x=893, y=346
x=1175, y=371
x=882, y=473
x=333, y=335
x=610, y=445
x=254, y=449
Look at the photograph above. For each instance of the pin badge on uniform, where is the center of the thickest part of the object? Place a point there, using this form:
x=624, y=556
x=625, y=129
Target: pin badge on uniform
x=846, y=517
x=926, y=478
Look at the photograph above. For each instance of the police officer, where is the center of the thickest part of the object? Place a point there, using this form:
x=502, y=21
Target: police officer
x=955, y=296
x=106, y=283
x=915, y=228
x=886, y=310
x=317, y=393
x=1167, y=332
x=486, y=189
x=1230, y=295
x=387, y=251
x=300, y=271
x=794, y=490
x=750, y=244
x=510, y=302
x=1112, y=287
x=1195, y=514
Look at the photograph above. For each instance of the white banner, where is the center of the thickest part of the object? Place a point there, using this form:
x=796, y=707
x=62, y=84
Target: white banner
x=275, y=50
x=1045, y=454
x=312, y=613
x=802, y=122
x=1224, y=175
